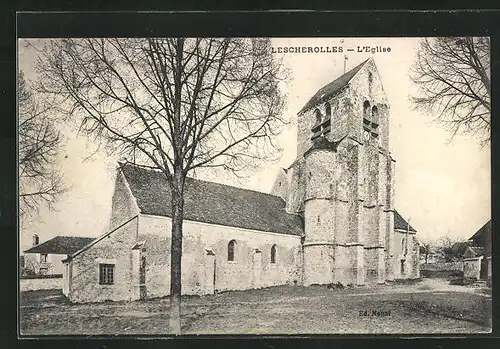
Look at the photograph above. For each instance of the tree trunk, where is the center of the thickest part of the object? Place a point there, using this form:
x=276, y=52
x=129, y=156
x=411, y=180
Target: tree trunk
x=176, y=255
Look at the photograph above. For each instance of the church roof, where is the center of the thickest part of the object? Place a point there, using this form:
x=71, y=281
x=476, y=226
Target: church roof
x=61, y=245
x=333, y=87
x=213, y=203
x=400, y=222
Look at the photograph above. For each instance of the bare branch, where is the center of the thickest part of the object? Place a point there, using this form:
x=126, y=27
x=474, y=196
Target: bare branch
x=453, y=81
x=39, y=143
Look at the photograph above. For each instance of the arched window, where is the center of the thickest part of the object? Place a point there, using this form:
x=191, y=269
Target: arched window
x=366, y=110
x=366, y=119
x=375, y=122
x=316, y=129
x=328, y=109
x=317, y=114
x=273, y=254
x=375, y=114
x=370, y=81
x=230, y=250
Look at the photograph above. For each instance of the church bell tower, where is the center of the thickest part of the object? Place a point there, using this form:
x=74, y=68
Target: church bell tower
x=346, y=177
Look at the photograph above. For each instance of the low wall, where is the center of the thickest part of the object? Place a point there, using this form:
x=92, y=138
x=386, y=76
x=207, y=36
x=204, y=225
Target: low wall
x=442, y=270
x=450, y=266
x=41, y=282
x=472, y=268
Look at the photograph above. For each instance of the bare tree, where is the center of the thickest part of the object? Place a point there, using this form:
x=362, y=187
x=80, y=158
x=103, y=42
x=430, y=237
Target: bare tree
x=447, y=249
x=176, y=104
x=426, y=250
x=453, y=80
x=39, y=141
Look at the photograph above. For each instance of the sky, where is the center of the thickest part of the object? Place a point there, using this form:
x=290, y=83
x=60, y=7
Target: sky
x=442, y=186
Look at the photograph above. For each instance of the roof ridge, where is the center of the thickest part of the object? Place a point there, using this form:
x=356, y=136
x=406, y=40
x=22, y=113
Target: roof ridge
x=352, y=71
x=72, y=236
x=202, y=180
x=233, y=186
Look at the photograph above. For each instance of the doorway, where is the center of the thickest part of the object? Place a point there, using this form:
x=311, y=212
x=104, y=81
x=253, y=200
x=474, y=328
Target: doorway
x=210, y=277
x=257, y=268
x=483, y=272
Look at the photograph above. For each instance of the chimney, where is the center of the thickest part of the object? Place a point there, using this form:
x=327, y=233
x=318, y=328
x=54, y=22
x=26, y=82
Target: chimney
x=36, y=240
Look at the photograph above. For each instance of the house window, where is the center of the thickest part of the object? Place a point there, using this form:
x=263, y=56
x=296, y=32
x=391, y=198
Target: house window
x=230, y=250
x=43, y=258
x=44, y=271
x=106, y=274
x=273, y=254
x=402, y=267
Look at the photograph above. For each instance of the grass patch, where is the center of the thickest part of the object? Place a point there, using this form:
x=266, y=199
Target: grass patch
x=277, y=310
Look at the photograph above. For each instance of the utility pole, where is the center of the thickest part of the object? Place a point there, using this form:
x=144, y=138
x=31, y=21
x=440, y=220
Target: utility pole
x=407, y=235
x=345, y=61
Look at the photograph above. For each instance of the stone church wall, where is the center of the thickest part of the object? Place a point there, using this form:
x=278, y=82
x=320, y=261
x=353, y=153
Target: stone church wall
x=240, y=274
x=123, y=205
x=199, y=240
x=362, y=88
x=84, y=268
x=341, y=110
x=296, y=177
x=409, y=269
x=280, y=186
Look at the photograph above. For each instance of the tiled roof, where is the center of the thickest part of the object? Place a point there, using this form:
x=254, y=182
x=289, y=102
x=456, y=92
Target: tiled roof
x=334, y=86
x=61, y=245
x=212, y=203
x=482, y=234
x=478, y=251
x=400, y=222
x=459, y=248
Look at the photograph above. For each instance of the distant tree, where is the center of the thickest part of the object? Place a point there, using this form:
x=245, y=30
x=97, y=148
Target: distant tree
x=453, y=80
x=427, y=249
x=39, y=142
x=446, y=249
x=175, y=104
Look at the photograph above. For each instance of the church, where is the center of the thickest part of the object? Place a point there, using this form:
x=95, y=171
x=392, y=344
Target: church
x=329, y=218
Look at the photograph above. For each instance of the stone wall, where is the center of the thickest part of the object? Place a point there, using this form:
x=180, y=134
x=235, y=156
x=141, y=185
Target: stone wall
x=361, y=90
x=296, y=177
x=472, y=268
x=251, y=268
x=82, y=272
x=406, y=249
x=341, y=111
x=115, y=249
x=41, y=283
x=123, y=204
x=355, y=187
x=280, y=186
